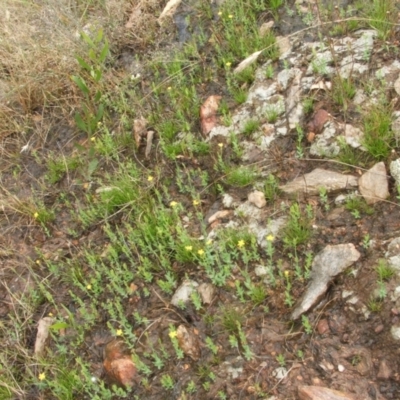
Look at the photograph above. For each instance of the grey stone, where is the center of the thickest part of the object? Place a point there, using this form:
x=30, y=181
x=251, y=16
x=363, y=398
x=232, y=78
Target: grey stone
x=327, y=264
x=325, y=144
x=206, y=291
x=384, y=370
x=373, y=185
x=353, y=136
x=280, y=373
x=311, y=182
x=395, y=332
x=182, y=294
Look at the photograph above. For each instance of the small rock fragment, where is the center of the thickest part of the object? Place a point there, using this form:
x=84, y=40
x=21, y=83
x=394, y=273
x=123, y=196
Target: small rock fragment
x=395, y=170
x=118, y=366
x=206, y=291
x=182, y=294
x=374, y=185
x=321, y=393
x=188, y=342
x=330, y=262
x=208, y=114
x=312, y=182
x=265, y=28
x=322, y=326
x=280, y=373
x=257, y=198
x=395, y=332
x=320, y=118
x=219, y=215
x=384, y=370
x=284, y=45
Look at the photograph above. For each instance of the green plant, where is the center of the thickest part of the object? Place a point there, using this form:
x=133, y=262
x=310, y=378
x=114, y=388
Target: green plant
x=343, y=90
x=323, y=197
x=306, y=324
x=378, y=135
x=231, y=318
x=240, y=176
x=381, y=16
x=384, y=271
x=375, y=305
x=167, y=382
x=250, y=127
x=281, y=360
x=297, y=230
x=356, y=205
x=308, y=105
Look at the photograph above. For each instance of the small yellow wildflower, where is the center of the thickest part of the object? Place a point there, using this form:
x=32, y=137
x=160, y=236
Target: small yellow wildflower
x=38, y=262
x=188, y=248
x=209, y=241
x=173, y=204
x=230, y=16
x=119, y=332
x=150, y=178
x=50, y=314
x=88, y=287
x=228, y=64
x=42, y=376
x=286, y=273
x=219, y=13
x=220, y=145
x=36, y=215
x=92, y=138
x=196, y=202
x=99, y=124
x=270, y=238
x=200, y=252
x=169, y=88
x=173, y=334
x=241, y=243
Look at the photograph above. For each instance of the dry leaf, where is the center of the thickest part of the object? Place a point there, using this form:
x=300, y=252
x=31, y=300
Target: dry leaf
x=188, y=342
x=208, y=114
x=150, y=135
x=42, y=334
x=139, y=130
x=169, y=10
x=246, y=62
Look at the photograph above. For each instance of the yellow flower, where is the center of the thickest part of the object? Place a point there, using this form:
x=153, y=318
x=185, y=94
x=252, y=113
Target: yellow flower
x=99, y=124
x=230, y=16
x=200, y=252
x=188, y=248
x=241, y=243
x=50, y=314
x=228, y=64
x=38, y=262
x=42, y=376
x=209, y=241
x=88, y=287
x=220, y=145
x=219, y=12
x=119, y=332
x=173, y=334
x=169, y=88
x=92, y=138
x=286, y=273
x=173, y=204
x=150, y=178
x=36, y=215
x=196, y=202
x=270, y=238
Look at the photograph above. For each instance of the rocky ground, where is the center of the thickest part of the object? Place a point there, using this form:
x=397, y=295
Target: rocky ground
x=266, y=266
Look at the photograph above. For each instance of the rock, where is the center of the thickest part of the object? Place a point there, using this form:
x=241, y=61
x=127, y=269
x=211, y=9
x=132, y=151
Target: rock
x=311, y=182
x=395, y=171
x=353, y=136
x=395, y=332
x=118, y=366
x=249, y=211
x=257, y=198
x=293, y=101
x=330, y=262
x=373, y=185
x=384, y=371
x=182, y=294
x=284, y=45
x=396, y=294
x=206, y=292
x=280, y=373
x=397, y=85
x=228, y=201
x=42, y=334
x=321, y=393
x=208, y=114
x=319, y=119
x=265, y=28
x=325, y=144
x=323, y=326
x=188, y=342
x=219, y=215
x=341, y=368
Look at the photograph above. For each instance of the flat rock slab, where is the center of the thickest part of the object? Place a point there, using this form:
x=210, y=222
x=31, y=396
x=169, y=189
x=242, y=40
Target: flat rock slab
x=374, y=185
x=331, y=261
x=321, y=393
x=320, y=178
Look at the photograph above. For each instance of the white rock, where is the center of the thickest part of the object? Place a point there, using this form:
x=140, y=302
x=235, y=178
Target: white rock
x=261, y=270
x=397, y=86
x=228, y=201
x=396, y=294
x=257, y=198
x=182, y=294
x=311, y=183
x=395, y=332
x=280, y=373
x=373, y=185
x=284, y=45
x=330, y=262
x=395, y=170
x=341, y=368
x=353, y=136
